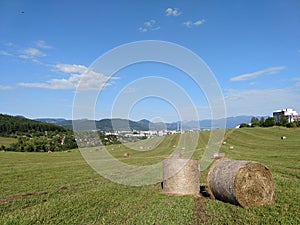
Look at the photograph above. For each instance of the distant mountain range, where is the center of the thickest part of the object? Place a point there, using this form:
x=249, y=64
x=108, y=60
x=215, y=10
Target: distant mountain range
x=124, y=124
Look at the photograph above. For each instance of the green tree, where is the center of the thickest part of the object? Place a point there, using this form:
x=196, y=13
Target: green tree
x=292, y=125
x=270, y=122
x=242, y=125
x=255, y=122
x=283, y=120
x=262, y=121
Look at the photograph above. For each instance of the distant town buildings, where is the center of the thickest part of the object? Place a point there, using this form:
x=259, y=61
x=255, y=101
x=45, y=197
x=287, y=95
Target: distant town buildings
x=290, y=114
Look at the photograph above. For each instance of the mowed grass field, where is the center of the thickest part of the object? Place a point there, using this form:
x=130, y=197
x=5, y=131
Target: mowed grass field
x=61, y=188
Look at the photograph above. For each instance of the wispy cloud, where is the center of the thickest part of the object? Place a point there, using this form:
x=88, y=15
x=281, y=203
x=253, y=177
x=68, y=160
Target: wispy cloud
x=173, y=12
x=79, y=76
x=190, y=24
x=2, y=88
x=31, y=53
x=42, y=44
x=261, y=101
x=149, y=26
x=249, y=76
x=5, y=53
x=71, y=68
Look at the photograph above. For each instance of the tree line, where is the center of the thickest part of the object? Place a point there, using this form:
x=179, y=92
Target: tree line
x=35, y=136
x=10, y=125
x=52, y=141
x=270, y=122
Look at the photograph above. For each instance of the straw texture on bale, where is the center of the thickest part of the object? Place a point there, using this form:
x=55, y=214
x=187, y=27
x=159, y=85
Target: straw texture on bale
x=239, y=182
x=181, y=176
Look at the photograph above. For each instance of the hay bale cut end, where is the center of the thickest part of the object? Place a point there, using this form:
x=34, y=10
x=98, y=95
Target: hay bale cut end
x=181, y=176
x=239, y=182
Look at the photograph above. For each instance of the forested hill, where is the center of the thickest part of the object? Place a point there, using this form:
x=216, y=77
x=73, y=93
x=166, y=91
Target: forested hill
x=13, y=124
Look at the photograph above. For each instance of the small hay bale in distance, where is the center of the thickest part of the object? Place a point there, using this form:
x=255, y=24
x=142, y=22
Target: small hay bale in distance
x=240, y=182
x=181, y=176
x=219, y=155
x=126, y=155
x=231, y=147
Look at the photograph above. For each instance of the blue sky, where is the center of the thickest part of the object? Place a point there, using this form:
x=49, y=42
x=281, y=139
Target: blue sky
x=252, y=47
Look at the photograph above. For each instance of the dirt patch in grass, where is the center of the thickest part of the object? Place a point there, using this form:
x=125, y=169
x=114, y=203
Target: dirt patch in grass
x=35, y=193
x=200, y=216
x=23, y=195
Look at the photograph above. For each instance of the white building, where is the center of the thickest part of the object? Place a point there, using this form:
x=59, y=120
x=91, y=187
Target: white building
x=290, y=114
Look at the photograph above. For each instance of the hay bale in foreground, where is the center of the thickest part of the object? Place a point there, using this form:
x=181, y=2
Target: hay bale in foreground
x=181, y=176
x=246, y=183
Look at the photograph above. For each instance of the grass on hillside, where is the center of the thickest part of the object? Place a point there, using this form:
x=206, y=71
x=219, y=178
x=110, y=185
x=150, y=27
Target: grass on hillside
x=60, y=188
x=6, y=141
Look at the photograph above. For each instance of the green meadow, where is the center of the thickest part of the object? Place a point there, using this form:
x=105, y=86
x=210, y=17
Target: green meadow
x=61, y=188
x=6, y=141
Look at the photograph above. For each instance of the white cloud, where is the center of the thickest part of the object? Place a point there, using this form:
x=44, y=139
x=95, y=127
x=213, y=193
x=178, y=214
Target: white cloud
x=42, y=44
x=261, y=102
x=31, y=53
x=267, y=71
x=143, y=29
x=149, y=23
x=173, y=12
x=71, y=68
x=5, y=53
x=190, y=24
x=80, y=77
x=199, y=22
x=149, y=26
x=2, y=88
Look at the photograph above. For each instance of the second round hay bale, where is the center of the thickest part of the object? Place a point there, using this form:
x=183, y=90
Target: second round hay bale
x=246, y=183
x=181, y=176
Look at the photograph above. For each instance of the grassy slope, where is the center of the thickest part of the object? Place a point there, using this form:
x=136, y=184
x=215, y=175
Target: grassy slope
x=60, y=188
x=6, y=141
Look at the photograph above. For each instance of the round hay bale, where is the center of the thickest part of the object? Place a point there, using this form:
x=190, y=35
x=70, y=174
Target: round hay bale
x=219, y=155
x=126, y=155
x=246, y=183
x=231, y=147
x=181, y=176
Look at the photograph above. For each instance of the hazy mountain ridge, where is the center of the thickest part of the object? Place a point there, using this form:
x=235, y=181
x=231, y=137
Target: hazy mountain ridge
x=125, y=125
